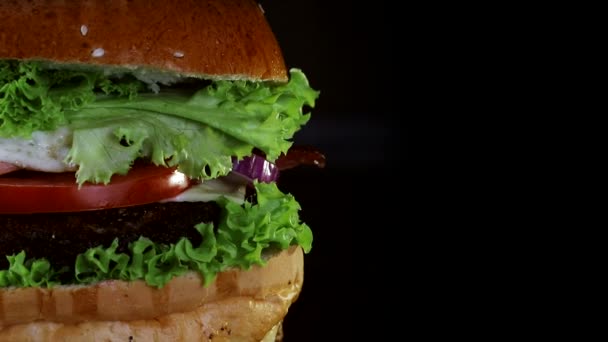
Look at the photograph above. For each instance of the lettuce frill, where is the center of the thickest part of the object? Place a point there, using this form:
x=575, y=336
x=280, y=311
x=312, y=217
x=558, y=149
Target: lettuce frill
x=117, y=120
x=244, y=232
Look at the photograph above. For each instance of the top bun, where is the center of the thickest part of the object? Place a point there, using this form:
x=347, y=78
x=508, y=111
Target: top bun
x=215, y=39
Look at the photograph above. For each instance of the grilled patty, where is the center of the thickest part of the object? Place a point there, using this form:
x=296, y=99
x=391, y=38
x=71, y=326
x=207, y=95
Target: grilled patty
x=60, y=237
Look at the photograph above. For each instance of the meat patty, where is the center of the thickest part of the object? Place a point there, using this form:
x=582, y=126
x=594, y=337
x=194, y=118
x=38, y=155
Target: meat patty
x=60, y=237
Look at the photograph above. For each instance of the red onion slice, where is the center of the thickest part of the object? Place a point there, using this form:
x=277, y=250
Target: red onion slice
x=256, y=167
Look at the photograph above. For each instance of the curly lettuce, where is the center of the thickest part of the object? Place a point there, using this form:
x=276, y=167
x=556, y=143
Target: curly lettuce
x=244, y=232
x=33, y=98
x=115, y=121
x=29, y=273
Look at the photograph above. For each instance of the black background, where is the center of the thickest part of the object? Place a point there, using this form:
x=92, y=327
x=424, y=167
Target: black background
x=345, y=50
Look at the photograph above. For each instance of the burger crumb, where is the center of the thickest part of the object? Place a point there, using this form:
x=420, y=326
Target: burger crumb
x=130, y=338
x=84, y=30
x=211, y=336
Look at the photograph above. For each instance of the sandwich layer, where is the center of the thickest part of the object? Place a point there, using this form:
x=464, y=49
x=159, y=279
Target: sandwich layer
x=242, y=305
x=60, y=237
x=215, y=39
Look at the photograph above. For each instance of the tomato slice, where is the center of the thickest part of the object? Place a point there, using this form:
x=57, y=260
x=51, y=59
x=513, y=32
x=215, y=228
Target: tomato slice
x=24, y=192
x=6, y=168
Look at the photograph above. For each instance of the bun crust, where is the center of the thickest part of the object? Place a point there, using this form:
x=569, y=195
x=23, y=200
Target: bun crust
x=217, y=39
x=237, y=306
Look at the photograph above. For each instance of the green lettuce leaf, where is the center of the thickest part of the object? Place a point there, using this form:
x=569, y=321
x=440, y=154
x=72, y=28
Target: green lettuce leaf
x=115, y=122
x=28, y=273
x=198, y=150
x=36, y=99
x=244, y=232
x=198, y=133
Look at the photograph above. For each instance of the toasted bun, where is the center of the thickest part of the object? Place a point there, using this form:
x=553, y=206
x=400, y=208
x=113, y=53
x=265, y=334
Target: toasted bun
x=217, y=39
x=238, y=306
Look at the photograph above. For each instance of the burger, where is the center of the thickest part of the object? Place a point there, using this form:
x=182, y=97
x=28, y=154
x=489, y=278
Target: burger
x=140, y=146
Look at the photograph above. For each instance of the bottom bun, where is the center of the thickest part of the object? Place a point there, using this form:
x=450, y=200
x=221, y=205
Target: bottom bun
x=238, y=306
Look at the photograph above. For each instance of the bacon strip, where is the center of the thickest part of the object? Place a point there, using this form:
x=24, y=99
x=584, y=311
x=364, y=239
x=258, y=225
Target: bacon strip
x=300, y=155
x=6, y=168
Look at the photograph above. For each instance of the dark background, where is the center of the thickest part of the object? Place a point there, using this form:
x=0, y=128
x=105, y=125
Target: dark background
x=345, y=50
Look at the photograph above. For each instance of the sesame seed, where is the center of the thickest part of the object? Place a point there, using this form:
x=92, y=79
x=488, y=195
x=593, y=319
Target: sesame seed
x=99, y=52
x=84, y=30
x=178, y=54
x=261, y=8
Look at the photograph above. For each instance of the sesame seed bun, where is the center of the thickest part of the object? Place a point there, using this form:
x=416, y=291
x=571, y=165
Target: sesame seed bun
x=215, y=39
